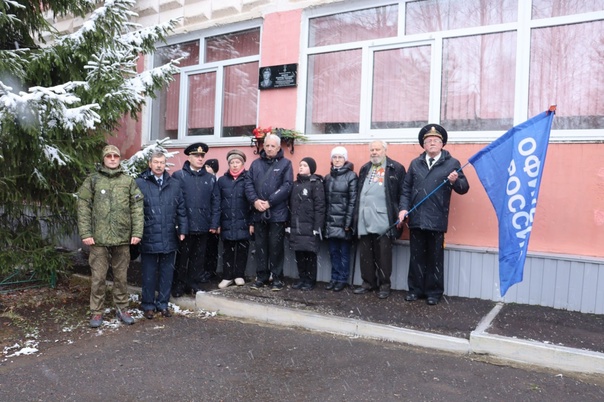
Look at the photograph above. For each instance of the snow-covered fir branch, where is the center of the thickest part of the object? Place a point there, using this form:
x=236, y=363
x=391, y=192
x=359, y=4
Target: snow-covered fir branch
x=138, y=162
x=114, y=14
x=48, y=106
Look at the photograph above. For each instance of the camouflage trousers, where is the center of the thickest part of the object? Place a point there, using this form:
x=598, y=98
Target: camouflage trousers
x=100, y=259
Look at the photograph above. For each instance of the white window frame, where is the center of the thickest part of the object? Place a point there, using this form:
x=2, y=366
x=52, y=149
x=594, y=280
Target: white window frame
x=523, y=27
x=185, y=72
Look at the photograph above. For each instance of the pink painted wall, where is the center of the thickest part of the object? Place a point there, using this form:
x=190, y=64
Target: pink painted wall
x=280, y=45
x=570, y=212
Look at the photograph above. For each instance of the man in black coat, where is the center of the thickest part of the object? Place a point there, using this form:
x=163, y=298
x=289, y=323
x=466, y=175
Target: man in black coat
x=429, y=220
x=267, y=187
x=165, y=227
x=380, y=183
x=202, y=200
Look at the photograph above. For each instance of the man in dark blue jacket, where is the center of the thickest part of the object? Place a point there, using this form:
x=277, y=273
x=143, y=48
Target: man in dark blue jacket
x=267, y=187
x=429, y=220
x=165, y=227
x=202, y=201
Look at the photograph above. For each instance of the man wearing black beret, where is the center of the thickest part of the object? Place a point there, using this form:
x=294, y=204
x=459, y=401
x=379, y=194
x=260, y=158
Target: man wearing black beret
x=202, y=202
x=428, y=222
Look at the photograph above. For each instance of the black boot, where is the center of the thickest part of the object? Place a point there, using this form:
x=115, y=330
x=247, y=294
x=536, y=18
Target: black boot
x=309, y=282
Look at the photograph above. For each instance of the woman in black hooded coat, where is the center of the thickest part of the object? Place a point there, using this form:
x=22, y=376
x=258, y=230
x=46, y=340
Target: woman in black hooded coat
x=307, y=217
x=341, y=195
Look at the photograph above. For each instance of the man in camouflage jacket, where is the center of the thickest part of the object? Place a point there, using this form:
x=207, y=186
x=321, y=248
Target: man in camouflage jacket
x=110, y=219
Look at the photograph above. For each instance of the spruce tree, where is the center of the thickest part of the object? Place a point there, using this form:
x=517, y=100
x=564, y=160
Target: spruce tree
x=60, y=97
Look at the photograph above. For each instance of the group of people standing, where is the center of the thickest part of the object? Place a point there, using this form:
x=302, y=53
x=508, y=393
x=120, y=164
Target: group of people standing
x=178, y=219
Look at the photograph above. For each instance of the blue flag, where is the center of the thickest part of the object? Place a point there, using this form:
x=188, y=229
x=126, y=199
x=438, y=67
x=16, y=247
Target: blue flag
x=510, y=170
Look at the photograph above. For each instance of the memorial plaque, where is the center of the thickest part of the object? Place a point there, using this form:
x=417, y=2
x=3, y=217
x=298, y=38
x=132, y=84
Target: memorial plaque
x=283, y=76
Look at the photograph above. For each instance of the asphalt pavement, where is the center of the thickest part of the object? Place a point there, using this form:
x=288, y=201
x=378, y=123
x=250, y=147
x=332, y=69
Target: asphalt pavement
x=479, y=343
x=188, y=358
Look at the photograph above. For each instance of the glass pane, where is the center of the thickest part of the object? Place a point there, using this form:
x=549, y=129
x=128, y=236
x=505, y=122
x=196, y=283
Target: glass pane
x=443, y=15
x=202, y=101
x=567, y=70
x=233, y=45
x=401, y=87
x=478, y=82
x=371, y=23
x=240, y=99
x=557, y=8
x=189, y=51
x=334, y=92
x=166, y=106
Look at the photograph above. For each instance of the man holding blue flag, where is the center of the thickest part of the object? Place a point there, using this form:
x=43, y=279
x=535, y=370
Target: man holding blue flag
x=510, y=170
x=426, y=196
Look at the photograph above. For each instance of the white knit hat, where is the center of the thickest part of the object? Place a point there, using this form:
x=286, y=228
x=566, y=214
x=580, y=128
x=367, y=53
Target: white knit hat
x=341, y=151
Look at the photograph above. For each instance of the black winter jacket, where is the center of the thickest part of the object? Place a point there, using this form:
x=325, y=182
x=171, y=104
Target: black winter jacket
x=393, y=184
x=165, y=214
x=433, y=213
x=235, y=210
x=307, y=203
x=340, y=196
x=202, y=198
x=270, y=180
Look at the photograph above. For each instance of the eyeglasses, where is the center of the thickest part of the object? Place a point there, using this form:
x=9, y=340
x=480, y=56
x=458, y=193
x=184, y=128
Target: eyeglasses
x=433, y=141
x=337, y=157
x=112, y=156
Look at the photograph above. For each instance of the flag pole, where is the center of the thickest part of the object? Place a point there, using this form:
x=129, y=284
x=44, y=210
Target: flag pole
x=419, y=203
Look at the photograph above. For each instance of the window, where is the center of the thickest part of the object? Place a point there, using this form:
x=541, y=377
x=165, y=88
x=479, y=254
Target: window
x=334, y=80
x=478, y=78
x=401, y=87
x=354, y=26
x=167, y=105
x=566, y=69
x=557, y=8
x=473, y=66
x=444, y=15
x=219, y=88
x=335, y=92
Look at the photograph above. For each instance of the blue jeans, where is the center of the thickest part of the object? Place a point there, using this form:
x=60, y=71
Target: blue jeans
x=339, y=251
x=156, y=266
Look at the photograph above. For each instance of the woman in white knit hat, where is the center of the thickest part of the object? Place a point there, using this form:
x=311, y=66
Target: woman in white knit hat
x=340, y=197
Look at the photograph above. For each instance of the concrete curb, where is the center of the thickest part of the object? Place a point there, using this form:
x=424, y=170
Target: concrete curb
x=532, y=352
x=480, y=342
x=288, y=317
x=538, y=353
x=520, y=351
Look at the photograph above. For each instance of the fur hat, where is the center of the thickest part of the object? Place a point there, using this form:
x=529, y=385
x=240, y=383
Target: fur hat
x=340, y=151
x=236, y=154
x=432, y=130
x=311, y=164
